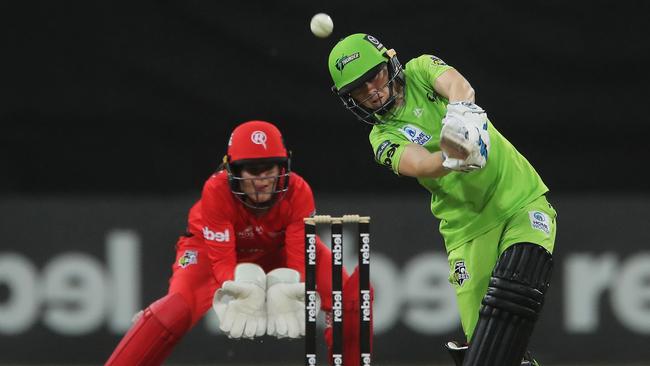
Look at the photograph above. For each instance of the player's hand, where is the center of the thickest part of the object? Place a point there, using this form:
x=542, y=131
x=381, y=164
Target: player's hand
x=240, y=303
x=285, y=304
x=464, y=138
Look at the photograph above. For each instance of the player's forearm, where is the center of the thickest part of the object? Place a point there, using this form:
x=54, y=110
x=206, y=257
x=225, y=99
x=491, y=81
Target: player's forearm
x=461, y=91
x=431, y=167
x=417, y=162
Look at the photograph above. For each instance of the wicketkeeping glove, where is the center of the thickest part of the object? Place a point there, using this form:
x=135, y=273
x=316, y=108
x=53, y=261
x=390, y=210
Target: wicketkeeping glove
x=285, y=303
x=465, y=132
x=240, y=303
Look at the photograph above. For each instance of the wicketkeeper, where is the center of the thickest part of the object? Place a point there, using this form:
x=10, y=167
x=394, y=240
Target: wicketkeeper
x=243, y=255
x=498, y=227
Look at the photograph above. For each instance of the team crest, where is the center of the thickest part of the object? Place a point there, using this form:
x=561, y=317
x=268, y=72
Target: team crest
x=460, y=273
x=189, y=257
x=259, y=138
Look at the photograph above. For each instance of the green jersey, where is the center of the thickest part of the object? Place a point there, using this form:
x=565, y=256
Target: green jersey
x=467, y=204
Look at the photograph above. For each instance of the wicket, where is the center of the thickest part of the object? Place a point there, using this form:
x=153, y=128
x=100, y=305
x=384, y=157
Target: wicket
x=336, y=224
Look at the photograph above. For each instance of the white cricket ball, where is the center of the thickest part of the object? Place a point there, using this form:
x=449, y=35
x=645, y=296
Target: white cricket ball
x=321, y=25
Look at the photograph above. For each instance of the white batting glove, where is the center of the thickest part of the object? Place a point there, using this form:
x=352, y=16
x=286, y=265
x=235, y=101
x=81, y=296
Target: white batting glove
x=239, y=303
x=285, y=304
x=464, y=137
x=460, y=165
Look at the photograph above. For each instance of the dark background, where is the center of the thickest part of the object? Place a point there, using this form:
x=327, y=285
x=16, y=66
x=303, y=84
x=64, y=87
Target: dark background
x=113, y=113
x=139, y=97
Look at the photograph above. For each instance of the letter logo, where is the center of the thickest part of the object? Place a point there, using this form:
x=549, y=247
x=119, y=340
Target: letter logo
x=259, y=138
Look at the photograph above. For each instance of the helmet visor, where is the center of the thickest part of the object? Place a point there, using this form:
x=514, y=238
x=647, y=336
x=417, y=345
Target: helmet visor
x=365, y=101
x=259, y=185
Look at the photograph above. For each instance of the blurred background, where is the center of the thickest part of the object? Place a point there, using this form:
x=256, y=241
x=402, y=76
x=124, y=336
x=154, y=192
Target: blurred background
x=114, y=113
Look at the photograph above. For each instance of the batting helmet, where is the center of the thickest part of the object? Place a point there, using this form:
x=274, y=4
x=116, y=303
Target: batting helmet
x=356, y=59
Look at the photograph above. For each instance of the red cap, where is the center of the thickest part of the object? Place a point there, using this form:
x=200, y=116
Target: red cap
x=256, y=140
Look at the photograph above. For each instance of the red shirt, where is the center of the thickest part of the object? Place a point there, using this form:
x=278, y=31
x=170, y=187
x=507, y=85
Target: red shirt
x=234, y=234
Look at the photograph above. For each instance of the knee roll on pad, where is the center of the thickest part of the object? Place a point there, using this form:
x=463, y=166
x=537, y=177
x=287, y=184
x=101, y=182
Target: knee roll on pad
x=510, y=308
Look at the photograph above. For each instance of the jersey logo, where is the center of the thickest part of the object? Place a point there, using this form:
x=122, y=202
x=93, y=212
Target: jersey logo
x=247, y=233
x=259, y=138
x=389, y=154
x=189, y=257
x=219, y=236
x=380, y=149
x=344, y=60
x=540, y=221
x=460, y=273
x=415, y=135
x=417, y=112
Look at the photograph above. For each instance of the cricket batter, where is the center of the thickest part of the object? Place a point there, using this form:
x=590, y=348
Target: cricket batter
x=498, y=227
x=243, y=255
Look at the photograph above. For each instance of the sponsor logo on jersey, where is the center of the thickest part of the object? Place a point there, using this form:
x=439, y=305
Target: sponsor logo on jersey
x=460, y=272
x=415, y=135
x=374, y=41
x=540, y=221
x=259, y=138
x=380, y=150
x=219, y=236
x=417, y=112
x=189, y=257
x=388, y=160
x=247, y=233
x=344, y=60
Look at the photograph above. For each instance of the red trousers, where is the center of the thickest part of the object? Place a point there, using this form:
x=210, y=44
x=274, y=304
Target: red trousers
x=191, y=289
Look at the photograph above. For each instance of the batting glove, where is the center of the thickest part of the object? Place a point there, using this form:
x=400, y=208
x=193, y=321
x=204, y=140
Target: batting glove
x=465, y=133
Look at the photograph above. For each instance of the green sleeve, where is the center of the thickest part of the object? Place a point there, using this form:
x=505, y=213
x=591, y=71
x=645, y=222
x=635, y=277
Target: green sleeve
x=428, y=67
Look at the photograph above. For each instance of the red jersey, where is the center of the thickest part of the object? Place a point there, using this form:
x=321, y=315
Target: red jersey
x=234, y=234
